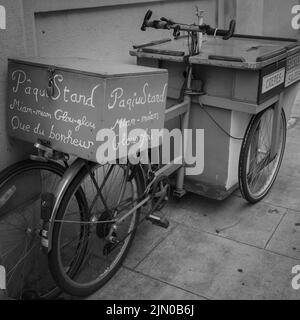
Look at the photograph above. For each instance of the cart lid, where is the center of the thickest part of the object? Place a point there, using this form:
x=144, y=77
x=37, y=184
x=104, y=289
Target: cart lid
x=245, y=52
x=89, y=66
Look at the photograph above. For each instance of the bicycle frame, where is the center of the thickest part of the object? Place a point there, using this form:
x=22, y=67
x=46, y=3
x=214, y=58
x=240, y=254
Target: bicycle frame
x=181, y=109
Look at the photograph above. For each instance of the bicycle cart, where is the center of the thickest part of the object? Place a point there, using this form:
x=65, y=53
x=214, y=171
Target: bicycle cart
x=241, y=89
x=86, y=109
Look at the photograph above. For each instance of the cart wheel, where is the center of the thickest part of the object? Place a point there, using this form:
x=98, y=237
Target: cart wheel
x=24, y=265
x=110, y=194
x=257, y=171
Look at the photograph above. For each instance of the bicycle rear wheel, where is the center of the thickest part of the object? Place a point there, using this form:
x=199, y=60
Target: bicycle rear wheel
x=21, y=187
x=257, y=171
x=112, y=191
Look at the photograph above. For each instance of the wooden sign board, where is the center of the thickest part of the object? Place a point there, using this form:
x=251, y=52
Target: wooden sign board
x=85, y=98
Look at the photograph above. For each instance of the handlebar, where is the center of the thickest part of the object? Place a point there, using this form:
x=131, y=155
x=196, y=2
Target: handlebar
x=168, y=24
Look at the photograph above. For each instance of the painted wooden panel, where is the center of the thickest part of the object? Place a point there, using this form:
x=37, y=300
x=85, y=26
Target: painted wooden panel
x=81, y=104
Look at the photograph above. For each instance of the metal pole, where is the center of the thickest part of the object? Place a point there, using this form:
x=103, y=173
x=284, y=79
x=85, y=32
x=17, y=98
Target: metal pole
x=180, y=192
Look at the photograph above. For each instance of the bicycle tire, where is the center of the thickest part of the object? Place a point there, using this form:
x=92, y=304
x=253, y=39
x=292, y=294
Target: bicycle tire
x=23, y=200
x=252, y=132
x=77, y=287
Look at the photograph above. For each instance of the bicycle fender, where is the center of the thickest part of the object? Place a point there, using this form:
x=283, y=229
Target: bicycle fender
x=63, y=185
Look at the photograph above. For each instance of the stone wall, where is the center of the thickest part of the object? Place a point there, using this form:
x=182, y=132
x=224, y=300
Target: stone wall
x=99, y=29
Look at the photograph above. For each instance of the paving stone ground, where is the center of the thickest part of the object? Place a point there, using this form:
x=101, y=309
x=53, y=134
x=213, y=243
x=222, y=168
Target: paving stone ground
x=220, y=250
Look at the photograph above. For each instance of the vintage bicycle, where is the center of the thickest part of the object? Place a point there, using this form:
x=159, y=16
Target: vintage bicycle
x=85, y=215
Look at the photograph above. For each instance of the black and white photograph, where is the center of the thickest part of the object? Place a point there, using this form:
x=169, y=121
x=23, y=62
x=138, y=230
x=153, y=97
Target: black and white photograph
x=149, y=153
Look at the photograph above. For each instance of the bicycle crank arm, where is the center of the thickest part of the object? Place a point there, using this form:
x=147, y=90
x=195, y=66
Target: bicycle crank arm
x=157, y=221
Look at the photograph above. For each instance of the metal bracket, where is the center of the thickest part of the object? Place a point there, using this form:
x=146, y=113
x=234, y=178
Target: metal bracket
x=45, y=152
x=47, y=202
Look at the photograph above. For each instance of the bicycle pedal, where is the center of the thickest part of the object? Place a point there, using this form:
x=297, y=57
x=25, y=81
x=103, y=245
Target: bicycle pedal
x=158, y=221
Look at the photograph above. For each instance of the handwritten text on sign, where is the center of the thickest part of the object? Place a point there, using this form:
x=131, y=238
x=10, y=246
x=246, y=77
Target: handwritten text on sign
x=80, y=105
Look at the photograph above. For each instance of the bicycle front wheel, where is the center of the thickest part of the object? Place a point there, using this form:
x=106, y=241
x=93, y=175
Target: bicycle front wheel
x=257, y=170
x=112, y=192
x=26, y=265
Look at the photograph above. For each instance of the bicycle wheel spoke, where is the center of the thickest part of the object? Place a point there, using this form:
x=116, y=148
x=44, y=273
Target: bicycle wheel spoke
x=22, y=272
x=112, y=183
x=88, y=251
x=21, y=260
x=16, y=227
x=124, y=205
x=260, y=170
x=20, y=225
x=6, y=253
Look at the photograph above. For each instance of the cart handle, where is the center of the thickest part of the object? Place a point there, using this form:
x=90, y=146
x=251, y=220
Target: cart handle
x=164, y=23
